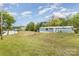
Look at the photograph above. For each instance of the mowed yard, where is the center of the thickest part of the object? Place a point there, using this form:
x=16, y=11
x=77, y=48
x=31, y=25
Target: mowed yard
x=40, y=44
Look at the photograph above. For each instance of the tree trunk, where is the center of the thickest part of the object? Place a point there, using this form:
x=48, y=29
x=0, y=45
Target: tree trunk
x=8, y=32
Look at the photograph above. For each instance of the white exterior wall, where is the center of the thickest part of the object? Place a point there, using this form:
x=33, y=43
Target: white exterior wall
x=10, y=32
x=63, y=30
x=57, y=29
x=42, y=30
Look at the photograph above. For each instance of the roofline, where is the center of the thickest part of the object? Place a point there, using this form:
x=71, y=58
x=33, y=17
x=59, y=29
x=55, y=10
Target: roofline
x=58, y=27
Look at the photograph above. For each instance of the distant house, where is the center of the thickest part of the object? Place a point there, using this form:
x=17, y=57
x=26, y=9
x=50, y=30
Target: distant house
x=19, y=28
x=14, y=30
x=10, y=32
x=67, y=29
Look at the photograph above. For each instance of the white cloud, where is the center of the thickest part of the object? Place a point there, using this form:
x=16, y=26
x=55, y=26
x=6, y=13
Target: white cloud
x=64, y=14
x=40, y=7
x=53, y=7
x=75, y=12
x=59, y=14
x=62, y=9
x=44, y=11
x=26, y=13
x=56, y=10
x=13, y=13
x=48, y=16
x=48, y=8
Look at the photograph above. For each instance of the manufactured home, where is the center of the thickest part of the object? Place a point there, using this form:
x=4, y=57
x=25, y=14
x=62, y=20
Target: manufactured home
x=67, y=29
x=10, y=32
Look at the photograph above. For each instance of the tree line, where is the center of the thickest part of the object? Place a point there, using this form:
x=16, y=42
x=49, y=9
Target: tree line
x=71, y=20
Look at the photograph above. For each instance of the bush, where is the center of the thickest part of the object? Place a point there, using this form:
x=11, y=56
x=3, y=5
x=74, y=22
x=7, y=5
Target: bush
x=76, y=30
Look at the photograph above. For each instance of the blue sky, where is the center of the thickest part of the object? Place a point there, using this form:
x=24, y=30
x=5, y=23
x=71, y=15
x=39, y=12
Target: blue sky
x=38, y=12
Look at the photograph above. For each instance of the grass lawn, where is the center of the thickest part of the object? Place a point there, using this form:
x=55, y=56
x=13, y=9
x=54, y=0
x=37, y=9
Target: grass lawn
x=40, y=44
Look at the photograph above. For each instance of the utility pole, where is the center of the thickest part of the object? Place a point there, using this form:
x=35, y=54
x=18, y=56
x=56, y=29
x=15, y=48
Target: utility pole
x=1, y=23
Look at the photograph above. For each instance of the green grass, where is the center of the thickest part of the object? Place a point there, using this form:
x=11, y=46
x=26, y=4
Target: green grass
x=40, y=44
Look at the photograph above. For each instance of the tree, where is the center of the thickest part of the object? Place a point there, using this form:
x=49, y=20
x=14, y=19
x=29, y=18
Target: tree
x=8, y=20
x=41, y=24
x=30, y=27
x=37, y=26
x=56, y=21
x=74, y=21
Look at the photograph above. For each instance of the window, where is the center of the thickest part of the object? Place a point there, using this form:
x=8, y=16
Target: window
x=46, y=29
x=51, y=28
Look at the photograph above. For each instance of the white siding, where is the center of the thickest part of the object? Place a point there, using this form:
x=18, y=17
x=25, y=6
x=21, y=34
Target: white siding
x=68, y=29
x=10, y=32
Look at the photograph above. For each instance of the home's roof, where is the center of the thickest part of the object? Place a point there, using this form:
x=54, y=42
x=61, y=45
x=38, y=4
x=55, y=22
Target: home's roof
x=58, y=27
